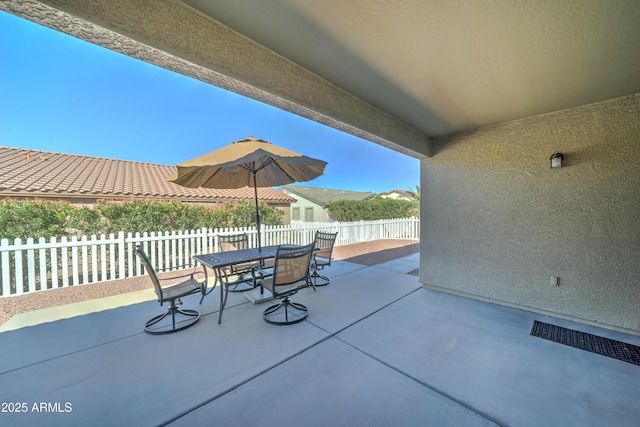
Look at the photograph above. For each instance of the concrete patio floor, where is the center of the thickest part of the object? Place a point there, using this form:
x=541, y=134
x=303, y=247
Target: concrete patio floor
x=377, y=349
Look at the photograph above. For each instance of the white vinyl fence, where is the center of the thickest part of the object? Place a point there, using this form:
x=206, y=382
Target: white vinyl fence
x=35, y=266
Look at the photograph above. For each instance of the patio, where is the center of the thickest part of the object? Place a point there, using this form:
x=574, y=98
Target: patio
x=376, y=349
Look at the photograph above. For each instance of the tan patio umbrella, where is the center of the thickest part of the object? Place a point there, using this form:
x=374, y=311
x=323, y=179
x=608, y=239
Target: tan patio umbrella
x=249, y=162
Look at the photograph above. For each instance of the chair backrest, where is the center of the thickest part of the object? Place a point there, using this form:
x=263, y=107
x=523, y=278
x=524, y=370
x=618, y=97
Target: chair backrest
x=324, y=244
x=292, y=264
x=150, y=271
x=232, y=242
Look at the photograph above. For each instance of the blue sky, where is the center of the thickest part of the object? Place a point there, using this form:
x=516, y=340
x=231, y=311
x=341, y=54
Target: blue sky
x=58, y=93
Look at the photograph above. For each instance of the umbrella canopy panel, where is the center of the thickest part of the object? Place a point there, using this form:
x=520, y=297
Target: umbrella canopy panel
x=238, y=164
x=249, y=162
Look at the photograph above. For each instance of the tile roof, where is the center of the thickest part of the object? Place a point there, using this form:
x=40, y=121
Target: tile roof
x=399, y=192
x=42, y=173
x=324, y=196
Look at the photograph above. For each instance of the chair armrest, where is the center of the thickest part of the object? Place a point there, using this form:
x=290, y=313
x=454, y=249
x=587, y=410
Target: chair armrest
x=262, y=271
x=192, y=272
x=178, y=267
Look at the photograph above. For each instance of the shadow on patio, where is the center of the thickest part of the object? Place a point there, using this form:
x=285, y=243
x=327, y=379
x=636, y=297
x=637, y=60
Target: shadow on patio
x=376, y=349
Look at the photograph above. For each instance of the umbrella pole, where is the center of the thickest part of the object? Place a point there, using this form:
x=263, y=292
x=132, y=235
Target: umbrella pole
x=255, y=192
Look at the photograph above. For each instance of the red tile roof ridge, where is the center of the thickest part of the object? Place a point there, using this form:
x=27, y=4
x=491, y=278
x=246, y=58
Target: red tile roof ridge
x=29, y=154
x=62, y=173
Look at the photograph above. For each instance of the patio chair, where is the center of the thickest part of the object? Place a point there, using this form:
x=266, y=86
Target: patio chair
x=322, y=256
x=172, y=294
x=239, y=277
x=290, y=274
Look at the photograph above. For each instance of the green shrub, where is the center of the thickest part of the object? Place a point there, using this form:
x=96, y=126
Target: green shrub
x=141, y=215
x=242, y=214
x=371, y=210
x=22, y=219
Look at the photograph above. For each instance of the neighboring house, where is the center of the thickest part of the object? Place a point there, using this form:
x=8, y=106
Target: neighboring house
x=83, y=180
x=397, y=195
x=311, y=204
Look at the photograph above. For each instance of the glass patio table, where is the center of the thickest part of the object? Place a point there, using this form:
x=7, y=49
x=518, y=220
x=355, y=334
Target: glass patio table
x=220, y=262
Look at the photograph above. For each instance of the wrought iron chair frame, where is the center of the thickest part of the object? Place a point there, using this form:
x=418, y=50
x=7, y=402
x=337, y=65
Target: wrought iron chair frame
x=322, y=256
x=172, y=294
x=287, y=287
x=239, y=277
x=223, y=276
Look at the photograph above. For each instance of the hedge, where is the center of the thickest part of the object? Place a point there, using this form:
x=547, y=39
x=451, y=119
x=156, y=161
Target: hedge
x=371, y=210
x=22, y=219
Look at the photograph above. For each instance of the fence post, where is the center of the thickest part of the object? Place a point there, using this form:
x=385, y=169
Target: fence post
x=85, y=260
x=6, y=269
x=74, y=260
x=31, y=266
x=216, y=240
x=95, y=273
x=167, y=251
x=160, y=252
x=112, y=257
x=152, y=253
x=18, y=263
x=103, y=258
x=130, y=250
x=54, y=264
x=65, y=262
x=180, y=257
x=43, y=264
x=121, y=255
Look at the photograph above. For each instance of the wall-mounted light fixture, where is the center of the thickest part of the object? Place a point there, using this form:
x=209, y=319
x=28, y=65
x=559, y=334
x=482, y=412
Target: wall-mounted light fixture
x=556, y=160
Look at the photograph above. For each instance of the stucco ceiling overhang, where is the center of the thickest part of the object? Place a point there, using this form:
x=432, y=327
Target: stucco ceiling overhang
x=444, y=66
x=395, y=72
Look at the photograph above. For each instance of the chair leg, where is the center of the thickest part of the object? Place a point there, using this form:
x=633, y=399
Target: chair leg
x=275, y=313
x=156, y=319
x=315, y=276
x=172, y=310
x=223, y=301
x=205, y=286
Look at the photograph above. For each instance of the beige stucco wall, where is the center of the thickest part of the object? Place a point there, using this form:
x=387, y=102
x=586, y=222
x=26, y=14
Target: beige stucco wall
x=497, y=222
